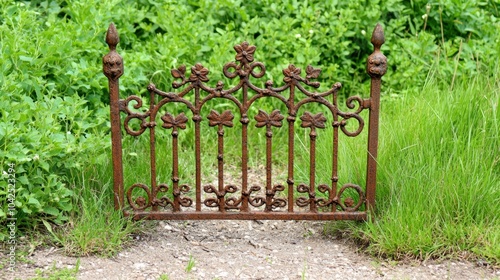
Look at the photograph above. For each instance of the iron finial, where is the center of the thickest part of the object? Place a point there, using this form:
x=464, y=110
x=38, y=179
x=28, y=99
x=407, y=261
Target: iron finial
x=378, y=38
x=112, y=62
x=377, y=62
x=112, y=38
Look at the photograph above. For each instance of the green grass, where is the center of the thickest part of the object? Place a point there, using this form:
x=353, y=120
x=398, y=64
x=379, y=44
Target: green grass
x=55, y=273
x=190, y=265
x=438, y=174
x=163, y=277
x=96, y=229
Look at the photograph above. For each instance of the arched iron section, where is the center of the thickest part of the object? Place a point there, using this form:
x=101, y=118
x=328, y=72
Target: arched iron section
x=244, y=201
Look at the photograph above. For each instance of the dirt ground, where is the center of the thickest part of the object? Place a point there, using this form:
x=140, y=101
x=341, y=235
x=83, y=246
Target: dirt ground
x=243, y=250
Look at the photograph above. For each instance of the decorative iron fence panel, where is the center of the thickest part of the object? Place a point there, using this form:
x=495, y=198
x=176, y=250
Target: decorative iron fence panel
x=307, y=201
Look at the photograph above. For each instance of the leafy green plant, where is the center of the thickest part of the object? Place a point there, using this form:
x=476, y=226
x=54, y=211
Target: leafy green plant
x=43, y=151
x=43, y=133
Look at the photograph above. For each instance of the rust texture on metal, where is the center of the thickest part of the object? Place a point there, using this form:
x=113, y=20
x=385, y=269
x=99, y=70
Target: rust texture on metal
x=113, y=69
x=303, y=201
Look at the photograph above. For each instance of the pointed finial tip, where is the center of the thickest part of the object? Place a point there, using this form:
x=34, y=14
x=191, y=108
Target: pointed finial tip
x=378, y=36
x=112, y=38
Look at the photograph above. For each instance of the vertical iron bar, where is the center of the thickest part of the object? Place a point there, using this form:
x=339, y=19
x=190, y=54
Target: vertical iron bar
x=220, y=158
x=244, y=147
x=335, y=154
x=269, y=187
x=198, y=163
x=376, y=68
x=113, y=69
x=175, y=169
x=312, y=170
x=291, y=147
x=244, y=167
x=197, y=120
x=152, y=151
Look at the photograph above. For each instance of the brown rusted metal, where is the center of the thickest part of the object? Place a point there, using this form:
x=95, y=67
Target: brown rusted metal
x=304, y=201
x=113, y=69
x=376, y=68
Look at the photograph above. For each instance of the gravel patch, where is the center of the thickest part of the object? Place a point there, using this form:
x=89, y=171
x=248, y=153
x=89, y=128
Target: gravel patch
x=243, y=250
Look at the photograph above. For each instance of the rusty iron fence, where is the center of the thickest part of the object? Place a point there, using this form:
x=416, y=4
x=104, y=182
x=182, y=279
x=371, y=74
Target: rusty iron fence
x=304, y=201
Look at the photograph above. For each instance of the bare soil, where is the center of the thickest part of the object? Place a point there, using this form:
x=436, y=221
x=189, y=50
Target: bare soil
x=243, y=250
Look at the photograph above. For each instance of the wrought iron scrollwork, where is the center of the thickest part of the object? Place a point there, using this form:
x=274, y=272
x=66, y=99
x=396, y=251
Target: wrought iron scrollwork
x=141, y=197
x=144, y=202
x=134, y=115
x=348, y=204
x=216, y=202
x=275, y=202
x=255, y=201
x=140, y=202
x=243, y=67
x=305, y=201
x=322, y=202
x=162, y=201
x=184, y=201
x=350, y=103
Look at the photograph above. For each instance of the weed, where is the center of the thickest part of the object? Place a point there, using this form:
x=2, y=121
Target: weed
x=190, y=265
x=55, y=273
x=164, y=277
x=303, y=274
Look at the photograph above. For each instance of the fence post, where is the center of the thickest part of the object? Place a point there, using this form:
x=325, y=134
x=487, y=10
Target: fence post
x=113, y=69
x=376, y=68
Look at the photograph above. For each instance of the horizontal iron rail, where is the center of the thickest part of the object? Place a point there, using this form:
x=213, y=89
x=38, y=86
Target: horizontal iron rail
x=214, y=215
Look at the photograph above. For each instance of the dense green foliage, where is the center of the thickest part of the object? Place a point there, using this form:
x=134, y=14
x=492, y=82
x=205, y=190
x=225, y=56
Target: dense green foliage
x=53, y=102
